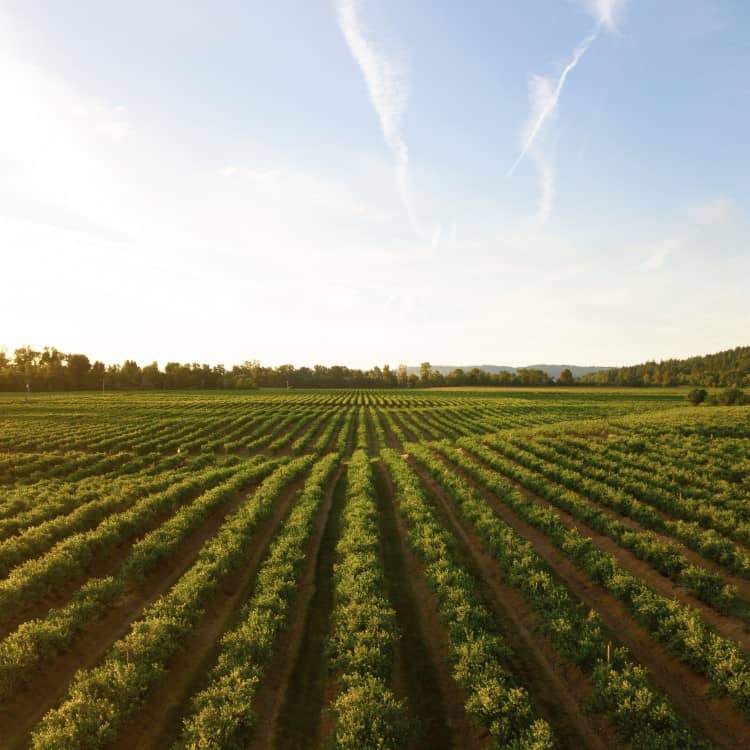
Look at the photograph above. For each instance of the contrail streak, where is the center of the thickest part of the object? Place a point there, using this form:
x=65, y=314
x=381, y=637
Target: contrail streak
x=549, y=106
x=545, y=97
x=387, y=89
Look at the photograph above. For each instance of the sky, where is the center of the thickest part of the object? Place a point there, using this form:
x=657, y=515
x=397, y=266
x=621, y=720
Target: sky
x=364, y=182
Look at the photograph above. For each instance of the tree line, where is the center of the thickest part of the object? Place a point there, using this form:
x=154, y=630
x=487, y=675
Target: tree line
x=728, y=369
x=52, y=370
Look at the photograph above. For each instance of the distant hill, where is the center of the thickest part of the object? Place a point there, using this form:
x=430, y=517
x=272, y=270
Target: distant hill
x=577, y=370
x=552, y=370
x=728, y=368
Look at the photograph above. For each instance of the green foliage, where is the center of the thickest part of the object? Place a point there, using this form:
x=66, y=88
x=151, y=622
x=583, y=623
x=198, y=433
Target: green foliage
x=576, y=634
x=480, y=658
x=100, y=698
x=364, y=629
x=732, y=397
x=82, y=473
x=679, y=628
x=222, y=716
x=369, y=717
x=727, y=368
x=697, y=396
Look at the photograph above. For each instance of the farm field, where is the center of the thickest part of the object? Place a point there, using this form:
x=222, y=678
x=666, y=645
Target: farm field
x=564, y=568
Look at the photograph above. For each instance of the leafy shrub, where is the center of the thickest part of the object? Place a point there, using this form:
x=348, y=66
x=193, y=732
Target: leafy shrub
x=697, y=396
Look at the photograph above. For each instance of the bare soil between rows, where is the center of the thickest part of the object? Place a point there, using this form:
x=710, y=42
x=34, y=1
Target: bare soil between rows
x=715, y=718
x=157, y=724
x=560, y=691
x=436, y=701
x=287, y=651
x=33, y=700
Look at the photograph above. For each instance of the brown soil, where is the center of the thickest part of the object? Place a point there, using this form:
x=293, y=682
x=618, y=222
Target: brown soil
x=299, y=719
x=409, y=433
x=558, y=690
x=725, y=625
x=351, y=437
x=742, y=584
x=271, y=695
x=422, y=670
x=373, y=446
x=33, y=700
x=105, y=562
x=716, y=718
x=391, y=440
x=158, y=722
x=316, y=433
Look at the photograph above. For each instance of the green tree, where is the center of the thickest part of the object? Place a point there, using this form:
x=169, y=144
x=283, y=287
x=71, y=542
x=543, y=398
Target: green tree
x=151, y=377
x=697, y=396
x=424, y=372
x=78, y=369
x=130, y=374
x=96, y=375
x=566, y=377
x=402, y=377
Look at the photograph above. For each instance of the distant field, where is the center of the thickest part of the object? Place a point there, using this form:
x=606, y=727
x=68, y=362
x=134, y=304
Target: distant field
x=426, y=569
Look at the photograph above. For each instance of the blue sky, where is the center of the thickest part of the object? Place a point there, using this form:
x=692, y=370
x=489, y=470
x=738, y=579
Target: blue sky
x=334, y=181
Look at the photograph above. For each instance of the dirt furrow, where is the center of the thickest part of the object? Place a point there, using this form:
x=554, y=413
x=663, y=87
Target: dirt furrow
x=560, y=691
x=297, y=720
x=390, y=439
x=103, y=563
x=158, y=722
x=272, y=694
x=423, y=674
x=716, y=718
x=726, y=625
x=33, y=700
x=373, y=446
x=742, y=584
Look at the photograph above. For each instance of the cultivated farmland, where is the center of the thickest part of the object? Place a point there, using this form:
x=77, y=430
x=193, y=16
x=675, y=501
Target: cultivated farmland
x=374, y=569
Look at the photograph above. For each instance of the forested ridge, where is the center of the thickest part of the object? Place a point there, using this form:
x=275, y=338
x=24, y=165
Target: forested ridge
x=730, y=368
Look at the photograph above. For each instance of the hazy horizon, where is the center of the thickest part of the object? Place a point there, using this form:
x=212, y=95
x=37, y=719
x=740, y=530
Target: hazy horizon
x=366, y=182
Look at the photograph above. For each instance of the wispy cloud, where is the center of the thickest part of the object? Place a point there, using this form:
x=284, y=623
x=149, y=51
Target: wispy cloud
x=659, y=252
x=546, y=186
x=387, y=86
x=715, y=212
x=545, y=98
x=605, y=12
x=545, y=94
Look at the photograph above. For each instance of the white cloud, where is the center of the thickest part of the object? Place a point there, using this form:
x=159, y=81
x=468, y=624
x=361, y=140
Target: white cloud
x=545, y=92
x=704, y=227
x=113, y=233
x=605, y=12
x=387, y=85
x=545, y=96
x=716, y=212
x=658, y=253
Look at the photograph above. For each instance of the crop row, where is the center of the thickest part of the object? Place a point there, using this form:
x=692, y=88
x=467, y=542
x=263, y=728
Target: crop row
x=665, y=557
x=222, y=716
x=621, y=687
x=494, y=699
x=63, y=521
x=36, y=641
x=647, y=487
x=363, y=630
x=677, y=471
x=681, y=629
x=99, y=699
x=706, y=542
x=69, y=556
